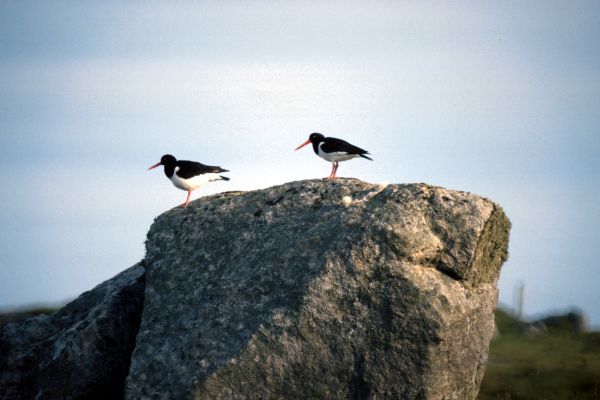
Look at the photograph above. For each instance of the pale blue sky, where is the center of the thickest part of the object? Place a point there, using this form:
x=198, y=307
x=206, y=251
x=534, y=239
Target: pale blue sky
x=500, y=99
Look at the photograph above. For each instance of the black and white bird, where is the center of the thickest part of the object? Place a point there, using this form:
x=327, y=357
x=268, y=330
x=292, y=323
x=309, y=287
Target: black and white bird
x=334, y=150
x=189, y=175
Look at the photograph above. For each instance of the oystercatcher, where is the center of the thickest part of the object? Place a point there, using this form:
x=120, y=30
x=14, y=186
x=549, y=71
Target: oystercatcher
x=189, y=175
x=334, y=150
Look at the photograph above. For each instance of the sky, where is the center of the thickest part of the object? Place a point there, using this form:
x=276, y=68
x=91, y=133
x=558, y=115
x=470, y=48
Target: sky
x=496, y=98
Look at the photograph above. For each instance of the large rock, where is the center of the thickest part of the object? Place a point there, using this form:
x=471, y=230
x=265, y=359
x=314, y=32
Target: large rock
x=79, y=352
x=320, y=290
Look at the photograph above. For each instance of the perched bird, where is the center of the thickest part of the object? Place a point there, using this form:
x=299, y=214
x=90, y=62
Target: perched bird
x=189, y=175
x=334, y=150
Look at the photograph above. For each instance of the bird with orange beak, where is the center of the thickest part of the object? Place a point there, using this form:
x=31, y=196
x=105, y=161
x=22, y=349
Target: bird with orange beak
x=333, y=150
x=189, y=175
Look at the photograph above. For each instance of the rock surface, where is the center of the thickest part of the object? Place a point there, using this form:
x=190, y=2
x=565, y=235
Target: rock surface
x=308, y=290
x=80, y=352
x=320, y=289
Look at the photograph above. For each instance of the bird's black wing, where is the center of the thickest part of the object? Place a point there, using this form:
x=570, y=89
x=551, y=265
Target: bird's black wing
x=188, y=169
x=332, y=145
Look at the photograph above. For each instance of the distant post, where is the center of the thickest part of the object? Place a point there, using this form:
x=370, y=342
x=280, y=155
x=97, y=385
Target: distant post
x=520, y=298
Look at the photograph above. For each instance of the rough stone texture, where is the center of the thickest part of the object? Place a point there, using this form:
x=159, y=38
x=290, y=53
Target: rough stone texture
x=295, y=292
x=80, y=352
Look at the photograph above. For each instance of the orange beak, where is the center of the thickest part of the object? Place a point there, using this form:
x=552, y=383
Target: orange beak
x=302, y=145
x=154, y=166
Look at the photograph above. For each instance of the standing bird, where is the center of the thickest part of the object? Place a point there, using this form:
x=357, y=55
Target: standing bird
x=189, y=175
x=334, y=150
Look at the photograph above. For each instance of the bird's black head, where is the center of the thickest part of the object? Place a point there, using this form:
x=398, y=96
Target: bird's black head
x=316, y=137
x=168, y=159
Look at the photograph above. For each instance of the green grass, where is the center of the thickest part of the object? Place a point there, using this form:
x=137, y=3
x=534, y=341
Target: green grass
x=551, y=366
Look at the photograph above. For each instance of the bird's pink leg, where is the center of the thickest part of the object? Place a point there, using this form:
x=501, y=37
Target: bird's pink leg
x=187, y=200
x=335, y=167
x=332, y=171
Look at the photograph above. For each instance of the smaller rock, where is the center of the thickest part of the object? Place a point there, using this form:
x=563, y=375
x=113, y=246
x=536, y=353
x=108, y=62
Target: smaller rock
x=81, y=351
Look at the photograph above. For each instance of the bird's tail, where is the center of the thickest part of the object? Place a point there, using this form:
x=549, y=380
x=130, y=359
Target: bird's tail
x=224, y=177
x=364, y=156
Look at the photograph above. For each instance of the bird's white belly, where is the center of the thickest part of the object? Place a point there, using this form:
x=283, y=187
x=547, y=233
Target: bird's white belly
x=193, y=182
x=337, y=156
